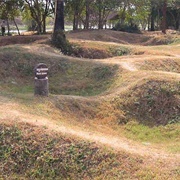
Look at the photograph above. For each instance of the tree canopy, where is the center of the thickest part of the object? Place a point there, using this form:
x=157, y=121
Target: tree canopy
x=90, y=14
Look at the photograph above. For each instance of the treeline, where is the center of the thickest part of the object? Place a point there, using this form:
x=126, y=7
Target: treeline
x=88, y=14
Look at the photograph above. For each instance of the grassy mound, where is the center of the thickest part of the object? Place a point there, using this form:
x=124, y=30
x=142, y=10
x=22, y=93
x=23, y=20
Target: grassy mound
x=81, y=78
x=93, y=50
x=154, y=103
x=168, y=65
x=162, y=40
x=30, y=152
x=65, y=76
x=7, y=40
x=146, y=38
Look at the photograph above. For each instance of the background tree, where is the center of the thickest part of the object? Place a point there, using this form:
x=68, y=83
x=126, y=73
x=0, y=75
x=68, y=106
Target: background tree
x=104, y=7
x=164, y=11
x=74, y=9
x=141, y=13
x=173, y=14
x=10, y=9
x=59, y=15
x=39, y=10
x=88, y=11
x=87, y=14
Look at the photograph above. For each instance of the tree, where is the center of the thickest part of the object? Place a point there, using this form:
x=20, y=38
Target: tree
x=39, y=10
x=59, y=15
x=153, y=14
x=164, y=11
x=9, y=10
x=75, y=9
x=104, y=7
x=173, y=14
x=58, y=37
x=88, y=3
x=141, y=13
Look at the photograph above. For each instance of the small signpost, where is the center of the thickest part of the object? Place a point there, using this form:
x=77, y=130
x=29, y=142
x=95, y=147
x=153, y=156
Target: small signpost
x=41, y=80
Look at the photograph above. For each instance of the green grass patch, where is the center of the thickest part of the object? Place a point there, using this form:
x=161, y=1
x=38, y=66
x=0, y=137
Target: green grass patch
x=17, y=88
x=82, y=79
x=168, y=134
x=65, y=76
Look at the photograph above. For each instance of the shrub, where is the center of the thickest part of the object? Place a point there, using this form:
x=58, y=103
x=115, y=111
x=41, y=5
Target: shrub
x=59, y=41
x=131, y=28
x=119, y=51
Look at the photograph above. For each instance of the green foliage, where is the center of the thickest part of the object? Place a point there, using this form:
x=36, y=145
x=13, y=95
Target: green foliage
x=15, y=63
x=83, y=79
x=10, y=9
x=174, y=120
x=78, y=11
x=26, y=69
x=132, y=28
x=119, y=51
x=59, y=41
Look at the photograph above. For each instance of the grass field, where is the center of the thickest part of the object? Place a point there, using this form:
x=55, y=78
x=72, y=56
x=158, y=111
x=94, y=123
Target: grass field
x=113, y=111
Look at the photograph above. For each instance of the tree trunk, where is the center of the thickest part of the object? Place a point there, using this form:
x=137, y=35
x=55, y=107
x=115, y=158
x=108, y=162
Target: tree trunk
x=44, y=24
x=8, y=27
x=39, y=27
x=100, y=24
x=178, y=23
x=152, y=19
x=164, y=10
x=59, y=15
x=87, y=15
x=16, y=26
x=75, y=20
x=123, y=15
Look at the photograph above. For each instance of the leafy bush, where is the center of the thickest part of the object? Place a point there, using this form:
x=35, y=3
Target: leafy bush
x=131, y=28
x=89, y=52
x=59, y=40
x=119, y=51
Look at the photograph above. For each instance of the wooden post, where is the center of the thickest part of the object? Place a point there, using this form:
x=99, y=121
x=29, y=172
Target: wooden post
x=41, y=85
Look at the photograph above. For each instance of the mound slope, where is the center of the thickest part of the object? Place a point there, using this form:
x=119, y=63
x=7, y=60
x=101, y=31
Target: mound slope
x=123, y=37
